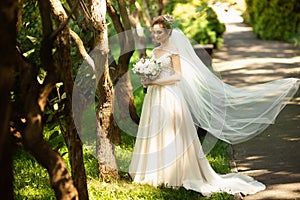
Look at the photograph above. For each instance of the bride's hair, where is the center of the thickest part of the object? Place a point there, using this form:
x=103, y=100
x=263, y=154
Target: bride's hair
x=161, y=20
x=166, y=21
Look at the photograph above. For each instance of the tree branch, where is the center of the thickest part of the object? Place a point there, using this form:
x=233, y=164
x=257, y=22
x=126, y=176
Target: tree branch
x=115, y=17
x=147, y=11
x=65, y=22
x=124, y=14
x=128, y=44
x=82, y=50
x=125, y=35
x=47, y=41
x=141, y=14
x=63, y=57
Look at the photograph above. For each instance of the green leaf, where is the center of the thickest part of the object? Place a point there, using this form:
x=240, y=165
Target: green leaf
x=64, y=95
x=26, y=54
x=79, y=20
x=32, y=39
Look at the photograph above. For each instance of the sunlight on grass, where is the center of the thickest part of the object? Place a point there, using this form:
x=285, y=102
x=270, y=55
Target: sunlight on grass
x=32, y=181
x=124, y=190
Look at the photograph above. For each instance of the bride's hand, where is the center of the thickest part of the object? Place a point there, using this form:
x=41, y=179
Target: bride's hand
x=145, y=81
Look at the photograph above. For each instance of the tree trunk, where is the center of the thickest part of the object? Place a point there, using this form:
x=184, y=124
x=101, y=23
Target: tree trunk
x=34, y=100
x=147, y=12
x=123, y=89
x=8, y=20
x=124, y=104
x=71, y=136
x=105, y=123
x=139, y=35
x=161, y=6
x=61, y=182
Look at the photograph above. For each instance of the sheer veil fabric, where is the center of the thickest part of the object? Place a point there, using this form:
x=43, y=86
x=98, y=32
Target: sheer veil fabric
x=231, y=114
x=167, y=149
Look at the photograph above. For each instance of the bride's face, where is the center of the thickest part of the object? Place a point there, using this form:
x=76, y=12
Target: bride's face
x=159, y=33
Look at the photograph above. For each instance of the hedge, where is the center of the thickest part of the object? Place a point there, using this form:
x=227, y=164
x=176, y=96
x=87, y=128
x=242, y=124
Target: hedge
x=199, y=22
x=274, y=19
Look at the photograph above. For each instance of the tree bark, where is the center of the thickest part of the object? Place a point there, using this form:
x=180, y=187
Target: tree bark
x=138, y=32
x=65, y=71
x=147, y=12
x=123, y=90
x=8, y=20
x=106, y=126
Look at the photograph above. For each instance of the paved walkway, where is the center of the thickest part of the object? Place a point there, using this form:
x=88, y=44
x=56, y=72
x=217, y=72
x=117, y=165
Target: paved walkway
x=273, y=157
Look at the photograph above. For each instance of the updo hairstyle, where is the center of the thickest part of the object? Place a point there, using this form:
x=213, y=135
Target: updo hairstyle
x=165, y=21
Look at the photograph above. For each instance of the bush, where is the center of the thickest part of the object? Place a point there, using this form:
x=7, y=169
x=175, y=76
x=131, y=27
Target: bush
x=274, y=19
x=199, y=22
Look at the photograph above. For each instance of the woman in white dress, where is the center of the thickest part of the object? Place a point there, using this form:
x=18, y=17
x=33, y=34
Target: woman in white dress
x=185, y=94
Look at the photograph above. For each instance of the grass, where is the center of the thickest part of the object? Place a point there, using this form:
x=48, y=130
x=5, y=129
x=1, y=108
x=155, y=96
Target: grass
x=31, y=181
x=125, y=190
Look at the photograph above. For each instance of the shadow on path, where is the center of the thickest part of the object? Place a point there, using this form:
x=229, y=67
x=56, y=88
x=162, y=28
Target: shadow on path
x=273, y=157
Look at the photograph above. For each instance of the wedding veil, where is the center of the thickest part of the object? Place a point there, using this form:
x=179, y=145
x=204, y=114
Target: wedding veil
x=228, y=113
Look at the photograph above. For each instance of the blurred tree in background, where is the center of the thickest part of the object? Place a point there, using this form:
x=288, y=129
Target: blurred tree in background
x=274, y=19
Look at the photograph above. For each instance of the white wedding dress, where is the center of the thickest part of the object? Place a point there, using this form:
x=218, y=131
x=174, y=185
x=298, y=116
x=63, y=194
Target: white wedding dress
x=167, y=149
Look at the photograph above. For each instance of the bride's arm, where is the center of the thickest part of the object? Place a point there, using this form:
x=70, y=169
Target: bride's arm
x=170, y=79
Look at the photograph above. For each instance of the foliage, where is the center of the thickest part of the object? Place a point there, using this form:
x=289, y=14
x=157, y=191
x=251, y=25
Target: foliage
x=199, y=22
x=30, y=33
x=274, y=19
x=172, y=4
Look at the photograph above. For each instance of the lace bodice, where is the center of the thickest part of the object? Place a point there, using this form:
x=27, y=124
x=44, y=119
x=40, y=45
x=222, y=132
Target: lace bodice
x=165, y=63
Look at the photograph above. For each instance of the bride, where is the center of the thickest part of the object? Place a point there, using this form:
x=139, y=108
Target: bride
x=186, y=93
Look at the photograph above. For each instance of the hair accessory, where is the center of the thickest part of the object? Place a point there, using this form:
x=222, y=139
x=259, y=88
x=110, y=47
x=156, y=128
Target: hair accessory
x=169, y=19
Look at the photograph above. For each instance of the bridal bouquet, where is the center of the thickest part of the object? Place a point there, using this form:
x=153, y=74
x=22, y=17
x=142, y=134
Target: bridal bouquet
x=148, y=68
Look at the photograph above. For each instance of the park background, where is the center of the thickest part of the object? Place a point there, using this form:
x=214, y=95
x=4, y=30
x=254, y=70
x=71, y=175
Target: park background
x=42, y=155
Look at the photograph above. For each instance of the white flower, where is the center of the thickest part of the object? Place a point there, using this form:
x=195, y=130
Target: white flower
x=148, y=68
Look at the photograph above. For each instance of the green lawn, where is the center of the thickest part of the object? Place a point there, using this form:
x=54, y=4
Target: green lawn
x=31, y=181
